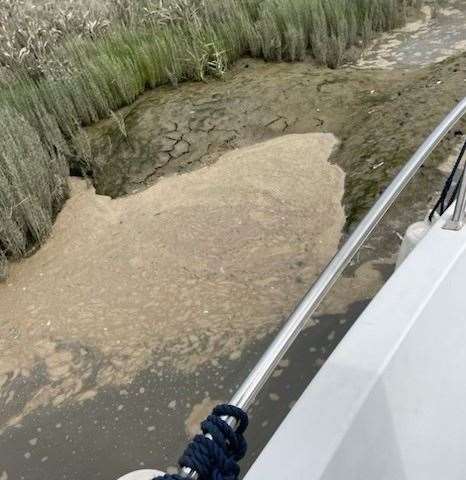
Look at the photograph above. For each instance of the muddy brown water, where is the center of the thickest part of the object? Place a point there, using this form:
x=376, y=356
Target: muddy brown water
x=101, y=429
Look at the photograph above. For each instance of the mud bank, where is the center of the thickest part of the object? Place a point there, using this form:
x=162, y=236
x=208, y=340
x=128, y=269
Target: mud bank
x=381, y=116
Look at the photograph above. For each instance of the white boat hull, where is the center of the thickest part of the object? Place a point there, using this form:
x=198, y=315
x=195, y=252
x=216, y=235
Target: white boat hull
x=389, y=404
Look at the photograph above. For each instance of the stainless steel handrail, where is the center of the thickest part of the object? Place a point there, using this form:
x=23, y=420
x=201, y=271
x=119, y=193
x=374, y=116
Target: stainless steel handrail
x=248, y=391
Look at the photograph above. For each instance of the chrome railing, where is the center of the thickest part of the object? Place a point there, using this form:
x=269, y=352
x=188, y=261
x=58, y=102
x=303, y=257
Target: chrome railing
x=248, y=391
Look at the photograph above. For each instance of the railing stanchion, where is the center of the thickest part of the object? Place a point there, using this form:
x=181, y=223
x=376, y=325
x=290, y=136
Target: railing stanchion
x=456, y=222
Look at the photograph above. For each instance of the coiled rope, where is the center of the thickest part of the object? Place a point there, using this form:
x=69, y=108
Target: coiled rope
x=216, y=458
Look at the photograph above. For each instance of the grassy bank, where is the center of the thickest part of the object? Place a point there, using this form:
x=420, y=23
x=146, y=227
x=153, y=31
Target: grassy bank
x=97, y=59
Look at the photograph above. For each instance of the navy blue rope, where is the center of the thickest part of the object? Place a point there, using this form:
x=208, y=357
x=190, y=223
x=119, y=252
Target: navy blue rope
x=216, y=459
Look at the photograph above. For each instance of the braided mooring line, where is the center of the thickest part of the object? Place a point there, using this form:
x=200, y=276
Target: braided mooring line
x=216, y=458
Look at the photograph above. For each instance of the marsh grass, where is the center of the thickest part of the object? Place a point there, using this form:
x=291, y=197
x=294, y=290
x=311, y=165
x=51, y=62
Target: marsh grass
x=70, y=63
x=32, y=184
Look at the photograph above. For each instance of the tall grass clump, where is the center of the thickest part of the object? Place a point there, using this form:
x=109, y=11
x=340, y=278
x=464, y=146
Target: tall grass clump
x=326, y=28
x=65, y=64
x=32, y=186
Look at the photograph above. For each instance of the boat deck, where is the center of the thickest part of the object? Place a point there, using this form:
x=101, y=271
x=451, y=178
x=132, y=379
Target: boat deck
x=389, y=404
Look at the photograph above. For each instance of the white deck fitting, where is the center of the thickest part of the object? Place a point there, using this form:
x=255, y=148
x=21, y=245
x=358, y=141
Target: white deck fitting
x=390, y=402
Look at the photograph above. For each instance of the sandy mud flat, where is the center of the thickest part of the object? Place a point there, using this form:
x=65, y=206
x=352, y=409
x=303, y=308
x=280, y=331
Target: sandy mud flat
x=171, y=272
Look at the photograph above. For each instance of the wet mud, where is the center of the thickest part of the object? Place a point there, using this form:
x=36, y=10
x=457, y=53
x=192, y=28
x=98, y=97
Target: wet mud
x=380, y=116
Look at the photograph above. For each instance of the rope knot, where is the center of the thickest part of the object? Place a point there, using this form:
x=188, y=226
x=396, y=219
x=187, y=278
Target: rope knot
x=216, y=458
